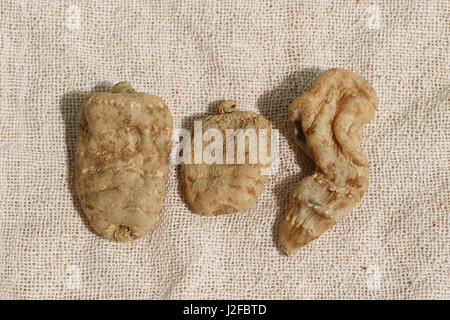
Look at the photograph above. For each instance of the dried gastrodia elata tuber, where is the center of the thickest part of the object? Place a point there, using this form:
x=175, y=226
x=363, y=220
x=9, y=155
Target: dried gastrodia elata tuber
x=234, y=180
x=122, y=160
x=328, y=121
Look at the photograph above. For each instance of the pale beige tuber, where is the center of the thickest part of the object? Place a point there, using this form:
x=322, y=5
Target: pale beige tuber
x=328, y=120
x=213, y=189
x=122, y=160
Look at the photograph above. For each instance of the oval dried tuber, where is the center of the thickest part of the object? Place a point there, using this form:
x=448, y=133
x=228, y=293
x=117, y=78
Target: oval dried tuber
x=122, y=160
x=328, y=122
x=230, y=186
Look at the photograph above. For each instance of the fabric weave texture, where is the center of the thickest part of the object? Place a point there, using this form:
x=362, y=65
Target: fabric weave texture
x=393, y=245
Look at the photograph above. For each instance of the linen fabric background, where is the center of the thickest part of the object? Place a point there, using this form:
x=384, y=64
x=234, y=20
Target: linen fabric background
x=393, y=245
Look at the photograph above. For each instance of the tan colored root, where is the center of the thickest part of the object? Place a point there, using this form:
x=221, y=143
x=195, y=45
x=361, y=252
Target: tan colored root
x=328, y=121
x=215, y=189
x=122, y=161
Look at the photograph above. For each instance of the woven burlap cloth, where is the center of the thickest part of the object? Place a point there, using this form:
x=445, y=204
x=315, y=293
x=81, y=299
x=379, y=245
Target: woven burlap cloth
x=393, y=245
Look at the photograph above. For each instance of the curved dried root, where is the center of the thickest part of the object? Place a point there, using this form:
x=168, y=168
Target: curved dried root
x=328, y=120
